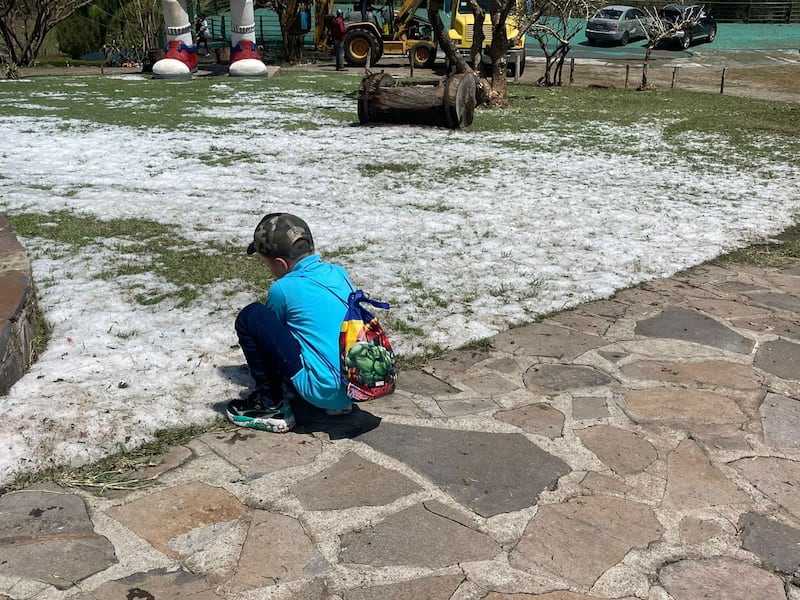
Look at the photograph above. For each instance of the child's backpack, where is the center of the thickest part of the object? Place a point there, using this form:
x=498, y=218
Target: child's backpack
x=368, y=364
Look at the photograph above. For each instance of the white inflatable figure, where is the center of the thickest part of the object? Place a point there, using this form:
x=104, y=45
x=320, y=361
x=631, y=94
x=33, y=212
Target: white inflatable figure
x=180, y=58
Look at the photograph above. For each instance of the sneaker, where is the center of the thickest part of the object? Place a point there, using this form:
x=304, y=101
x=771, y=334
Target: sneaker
x=339, y=412
x=252, y=412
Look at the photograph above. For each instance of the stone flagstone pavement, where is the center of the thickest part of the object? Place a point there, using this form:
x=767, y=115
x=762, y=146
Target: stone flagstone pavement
x=645, y=446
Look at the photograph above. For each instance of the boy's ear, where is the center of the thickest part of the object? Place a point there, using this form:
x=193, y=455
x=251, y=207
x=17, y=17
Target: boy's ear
x=284, y=265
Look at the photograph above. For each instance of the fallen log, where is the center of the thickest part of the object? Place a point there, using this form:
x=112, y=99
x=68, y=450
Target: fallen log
x=448, y=102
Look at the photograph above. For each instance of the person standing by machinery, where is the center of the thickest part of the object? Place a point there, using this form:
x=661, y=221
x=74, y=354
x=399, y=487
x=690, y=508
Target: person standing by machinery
x=338, y=33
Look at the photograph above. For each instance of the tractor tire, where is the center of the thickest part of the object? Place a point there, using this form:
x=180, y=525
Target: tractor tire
x=358, y=46
x=423, y=54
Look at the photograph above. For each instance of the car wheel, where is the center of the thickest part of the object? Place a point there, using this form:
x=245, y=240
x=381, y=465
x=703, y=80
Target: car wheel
x=626, y=37
x=712, y=34
x=686, y=40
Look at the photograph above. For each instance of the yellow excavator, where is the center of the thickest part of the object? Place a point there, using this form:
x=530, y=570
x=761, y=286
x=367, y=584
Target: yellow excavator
x=377, y=31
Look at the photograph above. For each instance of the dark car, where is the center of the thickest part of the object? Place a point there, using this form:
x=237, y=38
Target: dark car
x=698, y=25
x=617, y=23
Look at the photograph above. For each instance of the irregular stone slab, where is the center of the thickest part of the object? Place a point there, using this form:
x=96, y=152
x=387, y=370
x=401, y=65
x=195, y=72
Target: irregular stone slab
x=428, y=535
x=691, y=326
x=787, y=302
x=397, y=404
x=780, y=419
x=277, y=550
x=791, y=271
x=604, y=308
x=541, y=419
x=604, y=484
x=554, y=379
x=717, y=373
x=456, y=362
x=681, y=407
x=150, y=585
x=256, y=453
x=423, y=384
x=352, y=481
x=541, y=339
x=491, y=473
x=720, y=579
x=504, y=365
x=556, y=537
x=490, y=384
x=736, y=287
x=771, y=324
x=624, y=451
x=776, y=544
x=46, y=535
x=788, y=285
x=40, y=511
x=727, y=309
x=780, y=358
x=775, y=477
x=167, y=514
x=736, y=443
x=694, y=530
x=612, y=357
x=639, y=296
x=589, y=408
x=692, y=482
x=416, y=589
x=455, y=407
x=590, y=324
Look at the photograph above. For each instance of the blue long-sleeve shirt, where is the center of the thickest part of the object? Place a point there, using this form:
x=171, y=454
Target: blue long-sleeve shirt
x=314, y=315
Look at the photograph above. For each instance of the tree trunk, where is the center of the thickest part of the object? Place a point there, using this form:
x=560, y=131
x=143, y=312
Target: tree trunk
x=294, y=48
x=643, y=85
x=476, y=51
x=563, y=50
x=452, y=57
x=497, y=52
x=444, y=103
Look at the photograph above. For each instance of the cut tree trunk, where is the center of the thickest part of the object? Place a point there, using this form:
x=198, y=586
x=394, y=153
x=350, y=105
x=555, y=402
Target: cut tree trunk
x=447, y=102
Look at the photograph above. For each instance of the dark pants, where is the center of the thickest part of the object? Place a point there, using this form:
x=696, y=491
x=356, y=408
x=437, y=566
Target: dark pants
x=271, y=352
x=338, y=46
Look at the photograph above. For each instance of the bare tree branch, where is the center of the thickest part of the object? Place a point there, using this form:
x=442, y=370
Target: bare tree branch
x=24, y=24
x=661, y=30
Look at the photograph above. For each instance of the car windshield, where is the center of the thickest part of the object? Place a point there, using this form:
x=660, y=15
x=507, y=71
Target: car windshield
x=672, y=14
x=608, y=13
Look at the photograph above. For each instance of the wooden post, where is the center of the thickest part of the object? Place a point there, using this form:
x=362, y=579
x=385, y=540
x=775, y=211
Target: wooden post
x=627, y=74
x=571, y=70
x=722, y=81
x=410, y=64
x=674, y=75
x=516, y=68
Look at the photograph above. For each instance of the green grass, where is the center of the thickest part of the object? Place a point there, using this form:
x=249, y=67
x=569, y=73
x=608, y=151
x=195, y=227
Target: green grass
x=769, y=254
x=149, y=248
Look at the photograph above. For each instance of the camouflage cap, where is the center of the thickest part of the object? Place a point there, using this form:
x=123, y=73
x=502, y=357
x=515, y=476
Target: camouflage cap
x=281, y=235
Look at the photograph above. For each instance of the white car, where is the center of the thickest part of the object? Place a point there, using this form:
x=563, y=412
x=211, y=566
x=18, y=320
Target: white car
x=619, y=24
